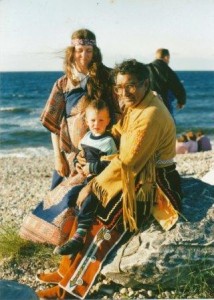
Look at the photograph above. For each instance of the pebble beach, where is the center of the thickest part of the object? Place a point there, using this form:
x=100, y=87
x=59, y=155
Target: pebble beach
x=24, y=182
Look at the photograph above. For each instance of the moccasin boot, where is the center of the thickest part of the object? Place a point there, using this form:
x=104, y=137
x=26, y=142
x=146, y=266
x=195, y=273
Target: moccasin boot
x=51, y=293
x=49, y=277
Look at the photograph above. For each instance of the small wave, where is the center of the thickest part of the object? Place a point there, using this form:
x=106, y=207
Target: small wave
x=36, y=111
x=26, y=152
x=25, y=139
x=7, y=108
x=5, y=128
x=32, y=123
x=15, y=109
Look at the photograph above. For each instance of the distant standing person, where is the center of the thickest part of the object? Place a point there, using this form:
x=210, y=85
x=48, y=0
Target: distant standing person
x=165, y=81
x=203, y=142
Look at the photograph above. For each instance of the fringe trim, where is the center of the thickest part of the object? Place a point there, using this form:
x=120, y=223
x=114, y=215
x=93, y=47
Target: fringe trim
x=101, y=194
x=143, y=190
x=108, y=157
x=129, y=199
x=134, y=189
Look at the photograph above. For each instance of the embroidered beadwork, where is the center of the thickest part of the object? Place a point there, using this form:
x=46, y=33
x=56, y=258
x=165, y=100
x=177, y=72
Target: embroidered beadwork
x=77, y=42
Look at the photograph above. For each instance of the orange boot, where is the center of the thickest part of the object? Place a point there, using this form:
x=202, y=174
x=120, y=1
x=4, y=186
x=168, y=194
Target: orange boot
x=49, y=277
x=53, y=293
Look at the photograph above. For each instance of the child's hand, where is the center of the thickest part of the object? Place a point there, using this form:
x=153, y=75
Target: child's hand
x=81, y=158
x=180, y=106
x=85, y=169
x=79, y=168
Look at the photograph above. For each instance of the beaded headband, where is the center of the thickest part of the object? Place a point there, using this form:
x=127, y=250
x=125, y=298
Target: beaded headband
x=77, y=42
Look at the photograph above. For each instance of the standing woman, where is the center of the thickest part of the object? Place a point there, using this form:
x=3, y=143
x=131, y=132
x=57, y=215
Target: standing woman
x=85, y=79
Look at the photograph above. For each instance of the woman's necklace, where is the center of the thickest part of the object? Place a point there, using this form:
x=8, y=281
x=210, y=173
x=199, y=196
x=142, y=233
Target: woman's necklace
x=79, y=77
x=83, y=76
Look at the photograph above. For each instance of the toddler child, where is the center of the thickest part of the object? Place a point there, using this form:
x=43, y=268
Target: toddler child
x=96, y=143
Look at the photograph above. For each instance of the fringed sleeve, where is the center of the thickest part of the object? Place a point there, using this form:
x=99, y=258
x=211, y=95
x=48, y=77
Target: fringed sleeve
x=129, y=199
x=108, y=183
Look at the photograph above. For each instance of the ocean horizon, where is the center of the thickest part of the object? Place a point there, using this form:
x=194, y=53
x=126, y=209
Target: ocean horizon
x=23, y=95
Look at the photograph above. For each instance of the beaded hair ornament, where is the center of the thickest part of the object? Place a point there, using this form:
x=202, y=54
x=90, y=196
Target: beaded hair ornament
x=77, y=42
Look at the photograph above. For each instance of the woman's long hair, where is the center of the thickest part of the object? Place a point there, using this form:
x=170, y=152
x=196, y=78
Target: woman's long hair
x=99, y=77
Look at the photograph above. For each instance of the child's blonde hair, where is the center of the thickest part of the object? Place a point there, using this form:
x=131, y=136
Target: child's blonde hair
x=97, y=105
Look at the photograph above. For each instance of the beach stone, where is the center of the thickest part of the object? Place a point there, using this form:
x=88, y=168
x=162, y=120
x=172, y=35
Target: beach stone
x=11, y=290
x=209, y=177
x=155, y=257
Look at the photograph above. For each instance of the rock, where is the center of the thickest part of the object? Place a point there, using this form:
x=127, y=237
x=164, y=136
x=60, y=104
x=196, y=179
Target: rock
x=13, y=290
x=106, y=289
x=154, y=257
x=123, y=291
x=209, y=177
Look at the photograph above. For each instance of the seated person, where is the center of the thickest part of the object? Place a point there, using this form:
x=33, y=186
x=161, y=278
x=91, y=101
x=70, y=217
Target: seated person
x=203, y=142
x=181, y=147
x=191, y=144
x=96, y=143
x=139, y=157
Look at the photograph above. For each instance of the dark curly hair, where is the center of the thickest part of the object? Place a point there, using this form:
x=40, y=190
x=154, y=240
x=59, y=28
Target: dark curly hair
x=132, y=67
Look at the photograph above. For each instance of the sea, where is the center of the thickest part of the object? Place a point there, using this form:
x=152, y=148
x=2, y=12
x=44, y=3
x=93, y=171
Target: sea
x=23, y=96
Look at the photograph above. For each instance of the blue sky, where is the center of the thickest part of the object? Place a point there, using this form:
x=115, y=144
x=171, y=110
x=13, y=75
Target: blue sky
x=34, y=33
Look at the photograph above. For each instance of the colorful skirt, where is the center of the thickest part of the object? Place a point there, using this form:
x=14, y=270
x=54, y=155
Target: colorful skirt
x=51, y=221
